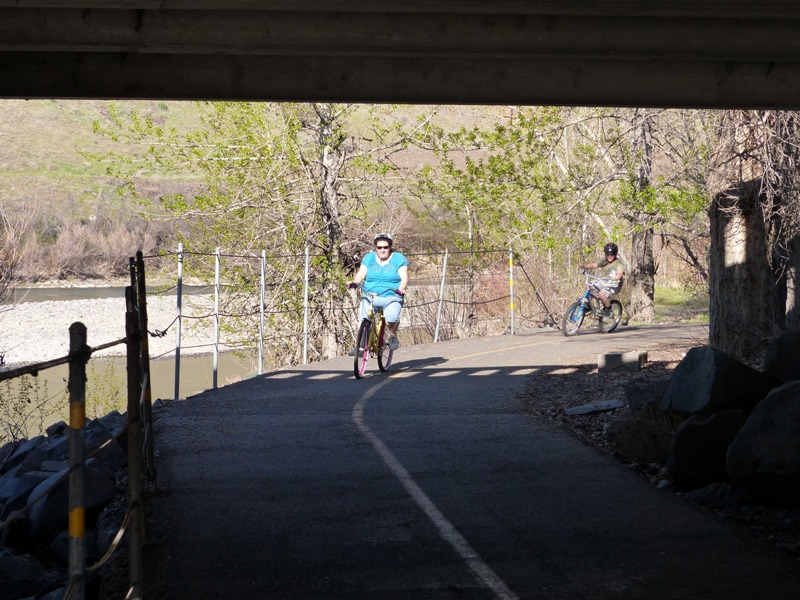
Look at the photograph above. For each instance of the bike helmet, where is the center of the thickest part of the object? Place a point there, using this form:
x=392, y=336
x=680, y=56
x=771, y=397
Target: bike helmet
x=610, y=248
x=383, y=236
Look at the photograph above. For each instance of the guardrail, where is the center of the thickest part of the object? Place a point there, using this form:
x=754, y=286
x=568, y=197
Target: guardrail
x=139, y=430
x=446, y=302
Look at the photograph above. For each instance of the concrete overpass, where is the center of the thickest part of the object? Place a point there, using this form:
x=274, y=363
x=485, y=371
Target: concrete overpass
x=670, y=53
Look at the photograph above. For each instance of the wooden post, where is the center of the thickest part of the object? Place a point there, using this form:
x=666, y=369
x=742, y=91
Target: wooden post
x=144, y=374
x=78, y=355
x=136, y=532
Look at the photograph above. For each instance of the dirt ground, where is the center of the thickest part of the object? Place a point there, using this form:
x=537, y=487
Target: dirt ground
x=552, y=394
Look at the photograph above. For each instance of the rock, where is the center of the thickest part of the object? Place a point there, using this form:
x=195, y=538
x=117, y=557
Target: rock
x=764, y=457
x=697, y=452
x=718, y=495
x=101, y=442
x=639, y=392
x=782, y=358
x=5, y=452
x=23, y=487
x=59, y=548
x=33, y=460
x=633, y=361
x=22, y=451
x=50, y=514
x=643, y=435
x=58, y=449
x=708, y=381
x=19, y=574
x=115, y=422
x=595, y=407
x=59, y=429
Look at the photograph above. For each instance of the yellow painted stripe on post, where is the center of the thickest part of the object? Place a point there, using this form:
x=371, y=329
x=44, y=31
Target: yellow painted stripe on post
x=77, y=415
x=77, y=523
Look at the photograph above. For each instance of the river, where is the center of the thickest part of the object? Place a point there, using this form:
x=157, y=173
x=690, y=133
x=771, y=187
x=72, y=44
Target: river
x=107, y=373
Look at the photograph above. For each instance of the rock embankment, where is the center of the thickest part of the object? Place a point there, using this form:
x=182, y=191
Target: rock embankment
x=38, y=331
x=34, y=536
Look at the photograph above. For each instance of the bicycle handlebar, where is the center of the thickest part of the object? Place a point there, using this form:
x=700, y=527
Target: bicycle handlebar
x=596, y=278
x=352, y=285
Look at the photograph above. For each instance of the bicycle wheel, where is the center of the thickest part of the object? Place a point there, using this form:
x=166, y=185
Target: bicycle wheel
x=573, y=319
x=362, y=349
x=385, y=353
x=609, y=324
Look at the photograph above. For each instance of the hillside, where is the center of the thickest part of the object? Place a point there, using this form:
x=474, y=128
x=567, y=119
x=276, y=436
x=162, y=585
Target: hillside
x=44, y=144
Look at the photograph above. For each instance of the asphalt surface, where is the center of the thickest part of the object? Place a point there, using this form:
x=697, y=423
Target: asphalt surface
x=428, y=483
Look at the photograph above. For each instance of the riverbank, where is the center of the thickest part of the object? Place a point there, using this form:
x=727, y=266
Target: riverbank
x=38, y=331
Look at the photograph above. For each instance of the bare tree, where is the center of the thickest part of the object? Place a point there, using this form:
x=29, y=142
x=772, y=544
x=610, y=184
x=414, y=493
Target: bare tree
x=12, y=249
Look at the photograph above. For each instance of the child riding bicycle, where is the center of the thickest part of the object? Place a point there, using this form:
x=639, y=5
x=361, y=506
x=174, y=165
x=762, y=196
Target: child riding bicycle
x=385, y=274
x=613, y=271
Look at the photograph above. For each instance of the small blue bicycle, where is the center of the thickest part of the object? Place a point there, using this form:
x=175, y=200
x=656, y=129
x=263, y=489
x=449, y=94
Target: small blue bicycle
x=590, y=305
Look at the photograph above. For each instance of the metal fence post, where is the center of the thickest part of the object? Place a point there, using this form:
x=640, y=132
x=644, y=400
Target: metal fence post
x=78, y=355
x=511, y=285
x=305, y=310
x=178, y=319
x=441, y=298
x=261, y=313
x=216, y=320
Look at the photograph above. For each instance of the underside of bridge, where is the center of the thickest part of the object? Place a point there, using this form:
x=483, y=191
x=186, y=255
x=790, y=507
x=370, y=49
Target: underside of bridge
x=669, y=53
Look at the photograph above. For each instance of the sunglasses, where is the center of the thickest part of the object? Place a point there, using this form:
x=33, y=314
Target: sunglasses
x=382, y=247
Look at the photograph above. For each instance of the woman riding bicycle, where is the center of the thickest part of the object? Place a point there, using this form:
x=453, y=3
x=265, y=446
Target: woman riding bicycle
x=613, y=269
x=385, y=274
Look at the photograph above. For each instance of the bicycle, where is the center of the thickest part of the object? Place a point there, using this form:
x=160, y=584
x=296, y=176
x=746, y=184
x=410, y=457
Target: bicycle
x=590, y=305
x=371, y=341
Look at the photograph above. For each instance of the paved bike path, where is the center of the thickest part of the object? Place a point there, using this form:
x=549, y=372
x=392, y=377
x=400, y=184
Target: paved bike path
x=427, y=483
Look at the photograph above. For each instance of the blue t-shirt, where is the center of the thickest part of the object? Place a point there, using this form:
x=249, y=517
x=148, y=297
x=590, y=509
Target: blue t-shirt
x=383, y=280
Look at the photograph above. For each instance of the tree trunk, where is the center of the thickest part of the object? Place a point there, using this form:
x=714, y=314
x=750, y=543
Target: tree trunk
x=642, y=267
x=792, y=309
x=741, y=286
x=643, y=276
x=332, y=158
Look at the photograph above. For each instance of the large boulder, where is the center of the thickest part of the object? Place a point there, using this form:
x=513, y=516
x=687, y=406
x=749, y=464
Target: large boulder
x=642, y=434
x=50, y=513
x=698, y=450
x=708, y=381
x=21, y=451
x=765, y=455
x=782, y=358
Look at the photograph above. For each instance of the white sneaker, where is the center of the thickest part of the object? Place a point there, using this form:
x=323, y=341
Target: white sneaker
x=394, y=344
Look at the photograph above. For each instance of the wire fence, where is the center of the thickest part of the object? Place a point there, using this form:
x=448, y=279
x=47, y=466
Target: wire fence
x=138, y=431
x=246, y=306
x=452, y=294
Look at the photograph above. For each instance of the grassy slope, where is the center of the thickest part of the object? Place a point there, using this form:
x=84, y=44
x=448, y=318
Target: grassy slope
x=43, y=145
x=43, y=142
x=674, y=304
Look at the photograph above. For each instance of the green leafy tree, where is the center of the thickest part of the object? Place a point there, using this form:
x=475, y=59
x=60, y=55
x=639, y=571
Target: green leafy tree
x=276, y=177
x=560, y=182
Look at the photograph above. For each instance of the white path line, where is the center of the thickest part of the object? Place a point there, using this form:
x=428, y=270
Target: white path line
x=446, y=529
